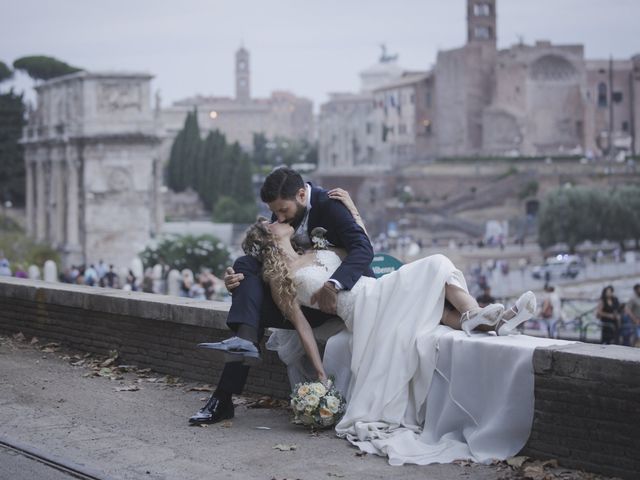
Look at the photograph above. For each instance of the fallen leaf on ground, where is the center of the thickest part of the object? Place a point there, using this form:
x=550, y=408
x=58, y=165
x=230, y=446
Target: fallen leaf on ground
x=227, y=424
x=78, y=363
x=204, y=388
x=19, y=337
x=268, y=402
x=108, y=362
x=516, y=462
x=33, y=341
x=361, y=454
x=534, y=472
x=128, y=388
x=553, y=463
x=285, y=448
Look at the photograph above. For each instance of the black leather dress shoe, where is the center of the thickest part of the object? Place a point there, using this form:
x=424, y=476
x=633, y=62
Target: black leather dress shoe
x=236, y=349
x=214, y=411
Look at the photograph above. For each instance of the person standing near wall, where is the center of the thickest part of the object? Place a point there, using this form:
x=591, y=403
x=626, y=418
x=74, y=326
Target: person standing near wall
x=608, y=312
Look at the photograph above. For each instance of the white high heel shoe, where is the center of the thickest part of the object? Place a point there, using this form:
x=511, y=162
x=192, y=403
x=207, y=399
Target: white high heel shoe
x=489, y=315
x=523, y=310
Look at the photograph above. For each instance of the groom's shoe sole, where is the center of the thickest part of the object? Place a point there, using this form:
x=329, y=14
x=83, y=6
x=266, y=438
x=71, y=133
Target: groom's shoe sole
x=249, y=358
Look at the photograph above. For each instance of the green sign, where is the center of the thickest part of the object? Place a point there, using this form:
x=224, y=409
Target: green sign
x=383, y=264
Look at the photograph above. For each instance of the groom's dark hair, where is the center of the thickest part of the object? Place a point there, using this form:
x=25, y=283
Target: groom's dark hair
x=282, y=183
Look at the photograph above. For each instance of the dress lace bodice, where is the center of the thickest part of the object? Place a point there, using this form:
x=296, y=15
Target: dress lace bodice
x=310, y=279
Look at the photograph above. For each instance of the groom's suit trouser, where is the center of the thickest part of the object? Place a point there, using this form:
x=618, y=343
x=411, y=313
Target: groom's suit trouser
x=253, y=305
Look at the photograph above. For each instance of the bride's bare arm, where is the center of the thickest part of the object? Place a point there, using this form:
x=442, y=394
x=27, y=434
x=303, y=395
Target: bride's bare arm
x=345, y=198
x=301, y=324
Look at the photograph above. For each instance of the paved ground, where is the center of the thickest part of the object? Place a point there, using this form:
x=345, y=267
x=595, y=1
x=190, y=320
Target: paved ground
x=74, y=416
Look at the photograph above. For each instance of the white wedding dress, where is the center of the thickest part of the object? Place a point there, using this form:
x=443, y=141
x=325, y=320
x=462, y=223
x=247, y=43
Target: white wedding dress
x=415, y=394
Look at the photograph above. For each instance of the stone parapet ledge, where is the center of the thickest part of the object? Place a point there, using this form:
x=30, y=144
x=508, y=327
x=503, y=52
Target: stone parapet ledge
x=164, y=308
x=587, y=408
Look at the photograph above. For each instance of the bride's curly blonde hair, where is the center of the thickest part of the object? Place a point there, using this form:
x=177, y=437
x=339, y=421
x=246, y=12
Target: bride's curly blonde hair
x=261, y=244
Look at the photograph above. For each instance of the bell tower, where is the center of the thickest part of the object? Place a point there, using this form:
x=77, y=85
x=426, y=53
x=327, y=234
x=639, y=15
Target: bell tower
x=243, y=93
x=481, y=22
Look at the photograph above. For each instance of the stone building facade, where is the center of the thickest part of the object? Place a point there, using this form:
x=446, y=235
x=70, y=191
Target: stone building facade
x=525, y=100
x=92, y=167
x=283, y=114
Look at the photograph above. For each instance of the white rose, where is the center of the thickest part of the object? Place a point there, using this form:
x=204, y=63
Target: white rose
x=312, y=400
x=319, y=389
x=303, y=390
x=333, y=404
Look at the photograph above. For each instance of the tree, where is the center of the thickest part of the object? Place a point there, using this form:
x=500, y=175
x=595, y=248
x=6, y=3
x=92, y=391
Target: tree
x=215, y=170
x=192, y=252
x=574, y=215
x=5, y=72
x=40, y=67
x=12, y=170
x=210, y=160
x=184, y=155
x=228, y=210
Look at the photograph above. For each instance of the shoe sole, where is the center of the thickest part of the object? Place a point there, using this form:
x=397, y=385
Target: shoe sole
x=248, y=358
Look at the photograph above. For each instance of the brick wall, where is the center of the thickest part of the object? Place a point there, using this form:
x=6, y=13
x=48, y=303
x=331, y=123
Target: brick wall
x=587, y=397
x=147, y=330
x=587, y=408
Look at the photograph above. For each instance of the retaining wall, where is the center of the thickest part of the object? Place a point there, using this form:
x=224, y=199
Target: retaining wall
x=587, y=397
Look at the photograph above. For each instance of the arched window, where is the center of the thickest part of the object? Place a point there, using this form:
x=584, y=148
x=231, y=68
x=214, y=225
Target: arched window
x=602, y=94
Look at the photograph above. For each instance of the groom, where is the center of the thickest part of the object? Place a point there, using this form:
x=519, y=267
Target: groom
x=305, y=207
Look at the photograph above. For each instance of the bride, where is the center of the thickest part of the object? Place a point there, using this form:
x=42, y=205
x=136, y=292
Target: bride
x=410, y=300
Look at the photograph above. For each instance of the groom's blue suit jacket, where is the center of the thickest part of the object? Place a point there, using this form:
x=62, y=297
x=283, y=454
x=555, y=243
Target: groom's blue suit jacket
x=342, y=232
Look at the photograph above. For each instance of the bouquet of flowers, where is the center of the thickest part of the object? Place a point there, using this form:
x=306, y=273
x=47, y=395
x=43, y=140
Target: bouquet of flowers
x=316, y=405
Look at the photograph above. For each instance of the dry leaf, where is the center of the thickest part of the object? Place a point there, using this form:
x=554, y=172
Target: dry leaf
x=534, y=472
x=204, y=388
x=78, y=363
x=19, y=337
x=516, y=462
x=108, y=362
x=33, y=341
x=552, y=463
x=361, y=454
x=285, y=448
x=128, y=388
x=227, y=424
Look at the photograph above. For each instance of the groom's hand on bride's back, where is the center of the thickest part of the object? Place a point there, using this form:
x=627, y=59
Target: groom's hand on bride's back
x=232, y=279
x=326, y=298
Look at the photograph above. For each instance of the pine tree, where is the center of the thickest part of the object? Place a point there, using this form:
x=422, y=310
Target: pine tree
x=12, y=171
x=183, y=160
x=191, y=152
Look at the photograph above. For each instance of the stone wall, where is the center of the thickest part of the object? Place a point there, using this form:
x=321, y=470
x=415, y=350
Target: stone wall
x=587, y=397
x=147, y=330
x=587, y=408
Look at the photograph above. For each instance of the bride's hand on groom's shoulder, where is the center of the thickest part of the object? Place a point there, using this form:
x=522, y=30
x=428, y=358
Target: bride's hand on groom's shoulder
x=232, y=279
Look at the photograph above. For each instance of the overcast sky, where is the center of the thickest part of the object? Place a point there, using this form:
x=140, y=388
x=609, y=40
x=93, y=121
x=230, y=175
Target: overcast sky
x=308, y=47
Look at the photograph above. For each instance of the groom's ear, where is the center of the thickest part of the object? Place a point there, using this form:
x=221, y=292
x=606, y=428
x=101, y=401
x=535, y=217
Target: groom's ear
x=302, y=195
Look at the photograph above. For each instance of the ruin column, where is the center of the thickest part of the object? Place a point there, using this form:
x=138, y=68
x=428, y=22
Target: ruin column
x=41, y=206
x=29, y=195
x=57, y=181
x=72, y=210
